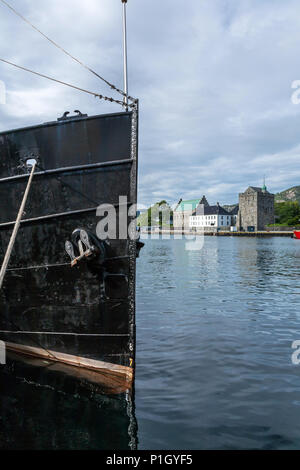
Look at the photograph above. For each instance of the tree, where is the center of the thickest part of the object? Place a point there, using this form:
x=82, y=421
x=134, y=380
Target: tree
x=287, y=213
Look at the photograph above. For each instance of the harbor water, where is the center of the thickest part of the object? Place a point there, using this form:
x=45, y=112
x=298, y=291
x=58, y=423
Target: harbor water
x=215, y=329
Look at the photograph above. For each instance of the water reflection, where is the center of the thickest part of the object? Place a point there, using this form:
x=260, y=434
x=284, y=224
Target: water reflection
x=214, y=369
x=48, y=406
x=215, y=329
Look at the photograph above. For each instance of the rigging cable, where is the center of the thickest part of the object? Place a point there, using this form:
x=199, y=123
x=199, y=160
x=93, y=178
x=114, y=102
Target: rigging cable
x=97, y=95
x=113, y=87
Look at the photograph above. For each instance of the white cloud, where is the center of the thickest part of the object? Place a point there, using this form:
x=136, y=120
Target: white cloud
x=214, y=82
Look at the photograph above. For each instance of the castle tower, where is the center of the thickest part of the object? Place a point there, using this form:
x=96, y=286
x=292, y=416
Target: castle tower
x=256, y=209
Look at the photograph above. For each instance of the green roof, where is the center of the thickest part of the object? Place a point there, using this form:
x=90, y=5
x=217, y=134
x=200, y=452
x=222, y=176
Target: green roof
x=188, y=205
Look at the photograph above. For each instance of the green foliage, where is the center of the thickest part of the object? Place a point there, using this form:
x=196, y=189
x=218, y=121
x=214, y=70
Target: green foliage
x=157, y=215
x=287, y=213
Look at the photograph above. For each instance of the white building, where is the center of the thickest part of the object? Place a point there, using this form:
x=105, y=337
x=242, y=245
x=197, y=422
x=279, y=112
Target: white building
x=234, y=215
x=210, y=216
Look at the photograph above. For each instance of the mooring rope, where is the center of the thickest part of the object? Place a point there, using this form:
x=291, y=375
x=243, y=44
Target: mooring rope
x=16, y=228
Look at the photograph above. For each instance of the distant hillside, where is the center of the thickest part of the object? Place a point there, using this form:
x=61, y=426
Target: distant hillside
x=292, y=194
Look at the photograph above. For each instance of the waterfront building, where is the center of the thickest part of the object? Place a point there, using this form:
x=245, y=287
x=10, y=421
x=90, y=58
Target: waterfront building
x=183, y=211
x=210, y=216
x=234, y=215
x=256, y=209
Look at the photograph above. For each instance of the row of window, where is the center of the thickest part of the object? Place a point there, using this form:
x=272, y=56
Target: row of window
x=209, y=217
x=198, y=217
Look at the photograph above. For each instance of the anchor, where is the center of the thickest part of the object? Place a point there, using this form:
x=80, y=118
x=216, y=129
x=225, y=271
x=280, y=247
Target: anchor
x=86, y=245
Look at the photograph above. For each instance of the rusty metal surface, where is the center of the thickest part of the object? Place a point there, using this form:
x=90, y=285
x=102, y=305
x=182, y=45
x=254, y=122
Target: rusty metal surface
x=41, y=292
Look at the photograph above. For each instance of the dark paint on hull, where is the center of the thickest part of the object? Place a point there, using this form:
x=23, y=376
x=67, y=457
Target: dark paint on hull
x=44, y=302
x=39, y=401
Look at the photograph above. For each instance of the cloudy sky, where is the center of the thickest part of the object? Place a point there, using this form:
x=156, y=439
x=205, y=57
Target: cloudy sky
x=214, y=79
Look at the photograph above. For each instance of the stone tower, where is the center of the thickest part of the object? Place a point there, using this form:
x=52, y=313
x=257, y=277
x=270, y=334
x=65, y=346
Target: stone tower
x=256, y=209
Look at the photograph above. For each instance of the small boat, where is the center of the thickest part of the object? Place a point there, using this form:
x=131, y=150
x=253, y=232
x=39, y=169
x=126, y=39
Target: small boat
x=297, y=234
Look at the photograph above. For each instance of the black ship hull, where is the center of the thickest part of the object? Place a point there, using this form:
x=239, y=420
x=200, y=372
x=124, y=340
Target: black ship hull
x=82, y=315
x=103, y=420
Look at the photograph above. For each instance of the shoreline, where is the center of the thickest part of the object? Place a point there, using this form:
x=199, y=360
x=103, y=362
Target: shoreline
x=264, y=233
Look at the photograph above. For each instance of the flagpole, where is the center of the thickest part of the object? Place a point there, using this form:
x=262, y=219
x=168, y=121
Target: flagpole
x=125, y=54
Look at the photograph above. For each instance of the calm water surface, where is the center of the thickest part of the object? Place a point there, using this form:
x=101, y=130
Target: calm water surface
x=215, y=329
x=214, y=370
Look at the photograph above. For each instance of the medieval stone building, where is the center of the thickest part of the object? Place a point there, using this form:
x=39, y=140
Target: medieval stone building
x=256, y=209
